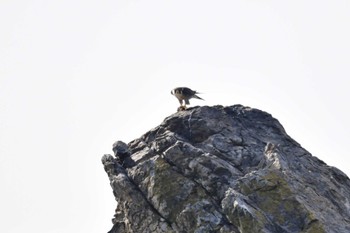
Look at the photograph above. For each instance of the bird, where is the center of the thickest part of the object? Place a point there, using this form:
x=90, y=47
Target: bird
x=185, y=94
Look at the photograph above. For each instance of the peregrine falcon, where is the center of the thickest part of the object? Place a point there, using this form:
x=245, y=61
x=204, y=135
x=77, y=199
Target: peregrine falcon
x=184, y=93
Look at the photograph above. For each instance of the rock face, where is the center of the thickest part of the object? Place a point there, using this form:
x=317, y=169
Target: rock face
x=224, y=169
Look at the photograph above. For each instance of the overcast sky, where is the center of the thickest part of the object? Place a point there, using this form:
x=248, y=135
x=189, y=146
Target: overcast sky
x=75, y=76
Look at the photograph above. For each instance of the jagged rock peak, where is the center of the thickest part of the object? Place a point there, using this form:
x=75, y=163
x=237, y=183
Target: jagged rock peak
x=224, y=169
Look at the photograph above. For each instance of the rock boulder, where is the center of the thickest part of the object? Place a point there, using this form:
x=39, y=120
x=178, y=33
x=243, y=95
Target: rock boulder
x=224, y=169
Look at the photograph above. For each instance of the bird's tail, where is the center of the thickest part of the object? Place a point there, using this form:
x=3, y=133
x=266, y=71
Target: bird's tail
x=197, y=97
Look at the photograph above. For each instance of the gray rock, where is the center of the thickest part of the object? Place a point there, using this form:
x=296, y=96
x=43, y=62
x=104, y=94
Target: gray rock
x=122, y=153
x=120, y=147
x=224, y=169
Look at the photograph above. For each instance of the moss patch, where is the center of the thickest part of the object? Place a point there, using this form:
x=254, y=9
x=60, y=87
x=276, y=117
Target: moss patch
x=173, y=190
x=273, y=196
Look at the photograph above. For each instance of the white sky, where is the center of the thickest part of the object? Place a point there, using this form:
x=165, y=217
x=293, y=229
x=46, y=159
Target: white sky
x=75, y=76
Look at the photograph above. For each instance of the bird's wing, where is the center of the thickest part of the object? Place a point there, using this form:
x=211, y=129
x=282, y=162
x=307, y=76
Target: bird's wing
x=187, y=91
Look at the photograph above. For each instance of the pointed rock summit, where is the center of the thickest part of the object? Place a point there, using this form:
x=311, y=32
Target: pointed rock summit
x=224, y=169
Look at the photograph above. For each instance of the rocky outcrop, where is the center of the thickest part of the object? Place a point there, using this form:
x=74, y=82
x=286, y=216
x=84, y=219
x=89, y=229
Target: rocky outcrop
x=224, y=169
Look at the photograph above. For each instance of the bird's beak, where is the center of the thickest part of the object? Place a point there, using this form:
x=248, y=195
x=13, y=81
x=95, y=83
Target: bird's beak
x=172, y=92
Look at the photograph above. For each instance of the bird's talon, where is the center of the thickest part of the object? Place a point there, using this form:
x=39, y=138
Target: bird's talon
x=181, y=108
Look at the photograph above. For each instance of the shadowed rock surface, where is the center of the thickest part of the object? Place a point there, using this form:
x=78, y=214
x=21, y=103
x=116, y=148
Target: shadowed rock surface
x=224, y=169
